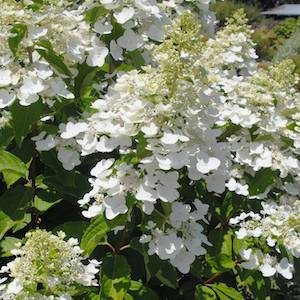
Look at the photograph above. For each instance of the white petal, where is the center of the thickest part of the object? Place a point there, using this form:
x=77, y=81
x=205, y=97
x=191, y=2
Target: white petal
x=146, y=193
x=5, y=78
x=6, y=98
x=73, y=129
x=167, y=194
x=124, y=15
x=96, y=57
x=116, y=51
x=103, y=28
x=267, y=270
x=205, y=163
x=93, y=211
x=130, y=40
x=14, y=287
x=285, y=268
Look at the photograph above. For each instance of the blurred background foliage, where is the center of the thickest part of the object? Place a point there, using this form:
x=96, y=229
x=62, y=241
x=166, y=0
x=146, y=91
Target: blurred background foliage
x=276, y=39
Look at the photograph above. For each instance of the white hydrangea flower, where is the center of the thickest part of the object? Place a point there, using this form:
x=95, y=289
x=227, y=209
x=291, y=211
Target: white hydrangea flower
x=130, y=40
x=268, y=265
x=47, y=260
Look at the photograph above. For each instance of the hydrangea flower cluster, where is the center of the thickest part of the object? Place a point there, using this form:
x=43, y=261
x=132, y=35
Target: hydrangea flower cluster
x=203, y=110
x=277, y=225
x=33, y=37
x=46, y=267
x=268, y=265
x=182, y=239
x=50, y=39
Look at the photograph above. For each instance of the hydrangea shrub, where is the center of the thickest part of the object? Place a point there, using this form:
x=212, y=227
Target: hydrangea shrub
x=143, y=156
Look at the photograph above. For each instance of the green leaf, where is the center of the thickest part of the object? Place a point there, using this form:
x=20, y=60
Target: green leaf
x=225, y=292
x=73, y=229
x=74, y=183
x=94, y=13
x=151, y=262
x=12, y=167
x=6, y=223
x=83, y=84
x=204, y=293
x=54, y=60
x=94, y=234
x=239, y=245
x=49, y=158
x=19, y=31
x=6, y=136
x=8, y=244
x=140, y=292
x=167, y=275
x=261, y=181
x=115, y=278
x=15, y=202
x=225, y=211
x=137, y=59
x=219, y=255
x=256, y=283
x=19, y=225
x=24, y=117
x=45, y=199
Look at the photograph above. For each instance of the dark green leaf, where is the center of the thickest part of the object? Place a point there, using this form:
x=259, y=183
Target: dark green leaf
x=137, y=59
x=55, y=61
x=256, y=283
x=204, y=293
x=75, y=229
x=45, y=200
x=12, y=167
x=6, y=223
x=225, y=211
x=151, y=262
x=74, y=184
x=225, y=292
x=115, y=278
x=15, y=202
x=19, y=31
x=94, y=234
x=6, y=136
x=167, y=274
x=261, y=181
x=219, y=256
x=94, y=13
x=24, y=117
x=140, y=292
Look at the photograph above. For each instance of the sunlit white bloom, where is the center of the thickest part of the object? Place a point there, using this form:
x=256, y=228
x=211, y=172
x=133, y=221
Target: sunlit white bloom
x=130, y=40
x=6, y=98
x=124, y=15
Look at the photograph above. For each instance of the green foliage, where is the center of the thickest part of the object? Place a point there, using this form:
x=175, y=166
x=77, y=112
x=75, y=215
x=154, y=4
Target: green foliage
x=265, y=40
x=226, y=9
x=94, y=234
x=290, y=49
x=285, y=29
x=277, y=42
x=37, y=192
x=115, y=276
x=24, y=119
x=12, y=168
x=266, y=4
x=15, y=202
x=261, y=181
x=204, y=293
x=18, y=31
